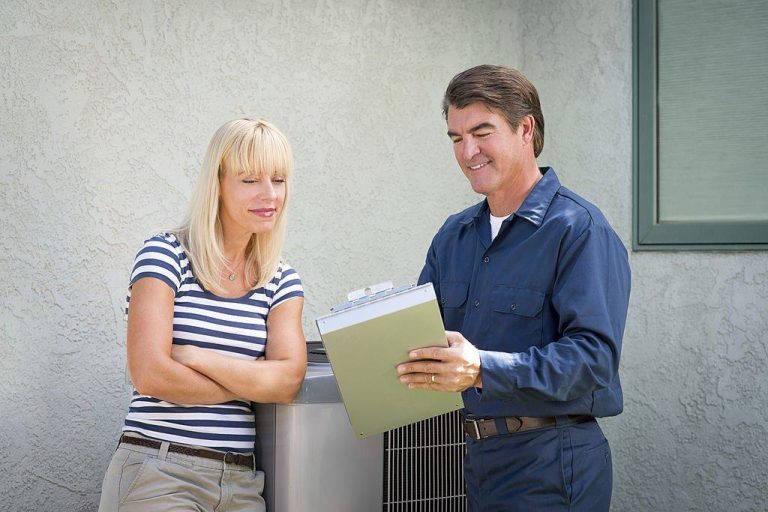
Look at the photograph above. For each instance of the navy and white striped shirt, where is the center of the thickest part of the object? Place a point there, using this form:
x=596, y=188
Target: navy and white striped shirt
x=235, y=327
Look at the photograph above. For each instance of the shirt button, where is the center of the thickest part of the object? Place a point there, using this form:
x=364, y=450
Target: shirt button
x=513, y=307
x=486, y=259
x=442, y=300
x=477, y=302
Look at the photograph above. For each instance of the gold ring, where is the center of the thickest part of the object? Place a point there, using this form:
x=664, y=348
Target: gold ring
x=433, y=378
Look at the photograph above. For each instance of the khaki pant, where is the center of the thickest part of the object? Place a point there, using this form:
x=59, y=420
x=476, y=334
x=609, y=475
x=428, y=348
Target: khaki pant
x=141, y=479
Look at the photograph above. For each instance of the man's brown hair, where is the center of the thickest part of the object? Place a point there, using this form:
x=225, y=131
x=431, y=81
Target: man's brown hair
x=502, y=89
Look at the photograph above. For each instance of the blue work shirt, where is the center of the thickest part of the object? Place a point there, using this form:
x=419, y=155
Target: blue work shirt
x=545, y=302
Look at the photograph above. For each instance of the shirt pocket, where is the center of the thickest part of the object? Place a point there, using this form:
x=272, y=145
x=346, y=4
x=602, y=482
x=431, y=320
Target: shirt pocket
x=517, y=301
x=453, y=302
x=518, y=314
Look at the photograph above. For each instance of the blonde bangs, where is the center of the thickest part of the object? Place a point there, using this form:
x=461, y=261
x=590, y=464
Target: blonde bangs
x=258, y=151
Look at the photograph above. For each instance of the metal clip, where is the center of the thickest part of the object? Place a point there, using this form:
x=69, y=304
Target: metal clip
x=369, y=290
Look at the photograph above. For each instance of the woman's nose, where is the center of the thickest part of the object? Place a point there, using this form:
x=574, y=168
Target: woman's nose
x=267, y=190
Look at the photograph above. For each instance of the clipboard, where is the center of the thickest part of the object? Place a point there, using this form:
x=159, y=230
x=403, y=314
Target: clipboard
x=366, y=338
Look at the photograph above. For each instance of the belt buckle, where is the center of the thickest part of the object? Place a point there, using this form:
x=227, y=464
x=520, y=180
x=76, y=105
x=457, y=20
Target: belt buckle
x=476, y=435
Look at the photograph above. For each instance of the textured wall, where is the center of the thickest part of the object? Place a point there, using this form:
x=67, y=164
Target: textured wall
x=694, y=433
x=105, y=113
x=107, y=107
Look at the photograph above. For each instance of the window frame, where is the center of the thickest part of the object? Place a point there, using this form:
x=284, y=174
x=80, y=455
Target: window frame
x=649, y=233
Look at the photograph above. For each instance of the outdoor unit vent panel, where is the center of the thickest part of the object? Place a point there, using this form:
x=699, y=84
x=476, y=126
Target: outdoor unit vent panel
x=424, y=466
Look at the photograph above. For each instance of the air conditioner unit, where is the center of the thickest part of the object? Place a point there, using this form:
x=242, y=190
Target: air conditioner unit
x=314, y=461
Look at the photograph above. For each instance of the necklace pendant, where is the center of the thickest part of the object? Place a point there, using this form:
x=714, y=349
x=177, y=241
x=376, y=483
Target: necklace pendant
x=232, y=276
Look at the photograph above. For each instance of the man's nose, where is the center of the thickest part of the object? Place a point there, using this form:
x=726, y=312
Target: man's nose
x=469, y=148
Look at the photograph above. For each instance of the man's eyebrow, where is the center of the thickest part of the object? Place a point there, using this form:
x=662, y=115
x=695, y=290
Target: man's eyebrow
x=481, y=126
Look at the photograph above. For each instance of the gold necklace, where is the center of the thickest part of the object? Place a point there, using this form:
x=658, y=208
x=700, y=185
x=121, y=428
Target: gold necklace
x=233, y=273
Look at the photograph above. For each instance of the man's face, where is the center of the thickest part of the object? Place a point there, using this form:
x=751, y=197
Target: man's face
x=488, y=151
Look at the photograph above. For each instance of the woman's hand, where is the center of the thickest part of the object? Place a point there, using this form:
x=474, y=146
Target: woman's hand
x=190, y=355
x=185, y=354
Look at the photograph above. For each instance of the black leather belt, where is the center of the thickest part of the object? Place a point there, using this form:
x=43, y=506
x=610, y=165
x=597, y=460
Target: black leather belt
x=227, y=457
x=488, y=427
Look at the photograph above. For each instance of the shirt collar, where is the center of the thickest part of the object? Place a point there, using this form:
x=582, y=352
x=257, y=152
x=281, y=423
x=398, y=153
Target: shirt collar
x=475, y=212
x=535, y=206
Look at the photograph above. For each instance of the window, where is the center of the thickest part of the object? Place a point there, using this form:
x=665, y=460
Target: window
x=700, y=124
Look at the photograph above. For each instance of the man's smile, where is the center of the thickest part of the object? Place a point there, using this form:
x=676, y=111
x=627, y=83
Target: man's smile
x=478, y=166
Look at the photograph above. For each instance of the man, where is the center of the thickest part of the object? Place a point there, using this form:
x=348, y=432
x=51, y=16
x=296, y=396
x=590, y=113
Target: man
x=533, y=287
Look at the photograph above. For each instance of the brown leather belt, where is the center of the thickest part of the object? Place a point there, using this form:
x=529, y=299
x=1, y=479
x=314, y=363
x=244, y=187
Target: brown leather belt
x=226, y=457
x=481, y=428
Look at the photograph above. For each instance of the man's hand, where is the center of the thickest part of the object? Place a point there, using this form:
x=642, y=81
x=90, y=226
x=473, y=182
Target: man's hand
x=455, y=368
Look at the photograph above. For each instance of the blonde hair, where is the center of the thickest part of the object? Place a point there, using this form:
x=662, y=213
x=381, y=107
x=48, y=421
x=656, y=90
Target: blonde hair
x=248, y=147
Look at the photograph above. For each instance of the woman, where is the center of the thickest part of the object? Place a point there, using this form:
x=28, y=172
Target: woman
x=214, y=323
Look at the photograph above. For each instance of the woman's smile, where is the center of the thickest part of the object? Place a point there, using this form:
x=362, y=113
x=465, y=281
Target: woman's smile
x=263, y=212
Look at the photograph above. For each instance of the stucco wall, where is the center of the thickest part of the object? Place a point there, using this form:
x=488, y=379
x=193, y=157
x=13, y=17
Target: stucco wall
x=106, y=110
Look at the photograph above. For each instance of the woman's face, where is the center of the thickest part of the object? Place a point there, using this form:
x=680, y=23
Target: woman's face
x=250, y=204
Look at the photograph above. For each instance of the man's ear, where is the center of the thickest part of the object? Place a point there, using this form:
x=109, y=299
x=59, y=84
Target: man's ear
x=527, y=127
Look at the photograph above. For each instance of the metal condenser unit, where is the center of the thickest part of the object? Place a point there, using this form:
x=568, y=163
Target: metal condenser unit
x=314, y=461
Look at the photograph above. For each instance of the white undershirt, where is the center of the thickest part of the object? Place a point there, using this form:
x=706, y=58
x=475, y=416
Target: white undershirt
x=496, y=225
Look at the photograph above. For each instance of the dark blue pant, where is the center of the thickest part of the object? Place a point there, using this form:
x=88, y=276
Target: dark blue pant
x=564, y=468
